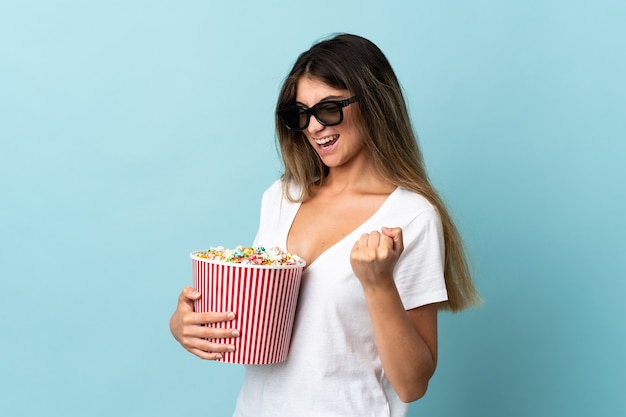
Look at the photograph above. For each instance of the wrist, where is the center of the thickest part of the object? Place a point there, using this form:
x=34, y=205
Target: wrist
x=381, y=285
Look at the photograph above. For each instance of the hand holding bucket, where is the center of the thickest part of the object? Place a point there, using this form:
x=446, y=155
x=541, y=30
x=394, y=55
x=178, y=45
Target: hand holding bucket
x=263, y=298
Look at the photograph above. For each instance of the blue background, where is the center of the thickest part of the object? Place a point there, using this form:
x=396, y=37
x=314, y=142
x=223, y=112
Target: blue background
x=133, y=132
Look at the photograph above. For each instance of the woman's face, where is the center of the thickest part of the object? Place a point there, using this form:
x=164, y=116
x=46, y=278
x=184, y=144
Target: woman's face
x=338, y=145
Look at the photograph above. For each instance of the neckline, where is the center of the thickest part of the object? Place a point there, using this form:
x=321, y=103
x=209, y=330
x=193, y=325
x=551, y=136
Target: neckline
x=296, y=208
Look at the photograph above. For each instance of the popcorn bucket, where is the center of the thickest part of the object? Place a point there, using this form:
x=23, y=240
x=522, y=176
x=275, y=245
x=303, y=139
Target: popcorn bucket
x=263, y=298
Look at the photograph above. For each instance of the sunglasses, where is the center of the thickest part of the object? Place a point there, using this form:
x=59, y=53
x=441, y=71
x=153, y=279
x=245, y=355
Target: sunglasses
x=328, y=113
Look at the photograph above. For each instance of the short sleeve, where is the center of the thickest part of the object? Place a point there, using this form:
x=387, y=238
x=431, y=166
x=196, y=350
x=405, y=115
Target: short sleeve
x=419, y=272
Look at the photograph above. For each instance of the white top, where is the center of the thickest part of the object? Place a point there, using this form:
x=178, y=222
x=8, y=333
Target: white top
x=333, y=368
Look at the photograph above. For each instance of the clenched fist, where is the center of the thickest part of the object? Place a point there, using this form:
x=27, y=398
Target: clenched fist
x=375, y=254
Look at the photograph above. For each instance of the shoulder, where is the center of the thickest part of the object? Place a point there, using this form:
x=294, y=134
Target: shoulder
x=413, y=204
x=271, y=196
x=273, y=189
x=275, y=196
x=416, y=215
x=278, y=190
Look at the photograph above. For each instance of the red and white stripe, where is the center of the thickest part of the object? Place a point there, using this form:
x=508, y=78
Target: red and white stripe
x=264, y=302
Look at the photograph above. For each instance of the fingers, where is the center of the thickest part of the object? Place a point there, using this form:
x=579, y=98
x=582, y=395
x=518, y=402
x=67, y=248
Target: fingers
x=369, y=246
x=210, y=351
x=204, y=340
x=377, y=251
x=185, y=301
x=395, y=233
x=210, y=348
x=205, y=334
x=210, y=317
x=211, y=356
x=189, y=293
x=380, y=245
x=186, y=298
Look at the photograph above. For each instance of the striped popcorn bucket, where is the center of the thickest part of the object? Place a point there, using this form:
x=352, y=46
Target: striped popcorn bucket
x=263, y=299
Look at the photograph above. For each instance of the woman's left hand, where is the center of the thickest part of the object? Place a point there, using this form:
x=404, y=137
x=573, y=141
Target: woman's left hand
x=375, y=254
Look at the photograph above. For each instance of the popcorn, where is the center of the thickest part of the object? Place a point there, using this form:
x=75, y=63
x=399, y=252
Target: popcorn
x=258, y=255
x=260, y=285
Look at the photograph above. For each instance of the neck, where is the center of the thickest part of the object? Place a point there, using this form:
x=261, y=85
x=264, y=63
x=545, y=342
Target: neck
x=364, y=178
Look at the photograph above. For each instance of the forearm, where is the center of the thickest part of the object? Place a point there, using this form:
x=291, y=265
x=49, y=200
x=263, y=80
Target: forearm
x=407, y=359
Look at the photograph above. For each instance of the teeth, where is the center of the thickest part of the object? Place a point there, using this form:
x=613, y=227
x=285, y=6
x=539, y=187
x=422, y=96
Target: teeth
x=323, y=141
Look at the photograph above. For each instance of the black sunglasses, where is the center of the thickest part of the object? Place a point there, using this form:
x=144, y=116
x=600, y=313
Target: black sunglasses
x=328, y=113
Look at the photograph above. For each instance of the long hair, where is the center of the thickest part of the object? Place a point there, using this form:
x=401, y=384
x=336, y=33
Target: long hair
x=353, y=63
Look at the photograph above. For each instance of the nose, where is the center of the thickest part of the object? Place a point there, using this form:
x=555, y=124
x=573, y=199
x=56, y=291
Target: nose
x=314, y=125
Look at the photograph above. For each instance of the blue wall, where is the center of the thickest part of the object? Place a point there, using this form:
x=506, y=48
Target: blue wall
x=135, y=132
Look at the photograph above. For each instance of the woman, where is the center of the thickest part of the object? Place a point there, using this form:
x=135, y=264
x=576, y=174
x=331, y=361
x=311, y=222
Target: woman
x=383, y=255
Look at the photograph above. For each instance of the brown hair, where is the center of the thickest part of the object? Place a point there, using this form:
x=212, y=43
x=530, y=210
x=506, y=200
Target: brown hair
x=355, y=64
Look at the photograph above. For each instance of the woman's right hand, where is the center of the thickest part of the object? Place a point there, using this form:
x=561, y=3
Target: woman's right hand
x=188, y=328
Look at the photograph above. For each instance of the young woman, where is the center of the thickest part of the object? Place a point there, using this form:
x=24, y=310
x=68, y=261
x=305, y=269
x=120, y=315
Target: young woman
x=383, y=255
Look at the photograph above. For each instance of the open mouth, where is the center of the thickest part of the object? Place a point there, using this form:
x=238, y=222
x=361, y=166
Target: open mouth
x=327, y=142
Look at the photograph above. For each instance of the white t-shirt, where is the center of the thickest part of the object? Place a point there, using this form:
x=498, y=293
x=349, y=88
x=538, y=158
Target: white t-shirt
x=333, y=367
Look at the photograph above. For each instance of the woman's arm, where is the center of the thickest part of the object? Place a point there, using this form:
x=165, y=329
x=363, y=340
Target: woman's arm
x=406, y=340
